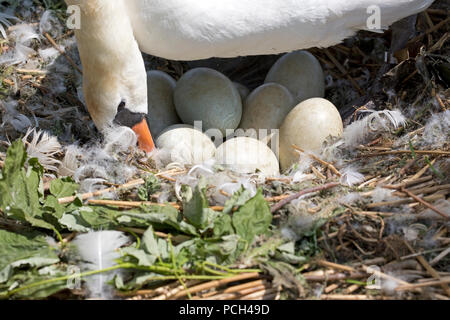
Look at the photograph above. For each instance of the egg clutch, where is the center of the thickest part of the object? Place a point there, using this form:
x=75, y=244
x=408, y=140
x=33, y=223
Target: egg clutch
x=204, y=115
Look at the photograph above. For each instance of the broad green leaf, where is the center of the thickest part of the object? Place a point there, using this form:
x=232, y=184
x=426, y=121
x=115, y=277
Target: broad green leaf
x=21, y=190
x=64, y=187
x=196, y=208
x=149, y=242
x=253, y=218
x=238, y=198
x=143, y=259
x=32, y=276
x=73, y=222
x=223, y=225
x=18, y=250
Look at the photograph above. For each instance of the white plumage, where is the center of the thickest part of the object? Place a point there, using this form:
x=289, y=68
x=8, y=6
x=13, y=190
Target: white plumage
x=99, y=250
x=110, y=41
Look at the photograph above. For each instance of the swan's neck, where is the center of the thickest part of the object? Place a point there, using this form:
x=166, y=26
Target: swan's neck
x=112, y=62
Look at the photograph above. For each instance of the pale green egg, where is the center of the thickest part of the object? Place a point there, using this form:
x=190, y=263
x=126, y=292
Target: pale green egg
x=161, y=109
x=206, y=95
x=266, y=107
x=301, y=73
x=243, y=90
x=307, y=126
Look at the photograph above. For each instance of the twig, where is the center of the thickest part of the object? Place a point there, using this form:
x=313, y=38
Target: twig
x=131, y=204
x=425, y=203
x=423, y=284
x=282, y=203
x=34, y=72
x=436, y=27
x=323, y=162
x=260, y=294
x=216, y=283
x=383, y=275
x=346, y=297
x=333, y=265
x=440, y=257
x=127, y=185
x=85, y=196
x=404, y=201
x=408, y=183
x=429, y=268
x=343, y=71
x=55, y=45
x=384, y=153
x=422, y=171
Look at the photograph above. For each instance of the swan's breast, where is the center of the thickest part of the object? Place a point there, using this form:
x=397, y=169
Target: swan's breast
x=190, y=30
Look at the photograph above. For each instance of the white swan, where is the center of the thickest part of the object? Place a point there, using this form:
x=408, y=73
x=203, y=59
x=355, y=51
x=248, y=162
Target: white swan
x=113, y=32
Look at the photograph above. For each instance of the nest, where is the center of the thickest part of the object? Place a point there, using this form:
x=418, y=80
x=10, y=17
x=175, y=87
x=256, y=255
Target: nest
x=369, y=218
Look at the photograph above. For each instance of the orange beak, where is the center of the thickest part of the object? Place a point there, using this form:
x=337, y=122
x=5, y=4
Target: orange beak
x=145, y=140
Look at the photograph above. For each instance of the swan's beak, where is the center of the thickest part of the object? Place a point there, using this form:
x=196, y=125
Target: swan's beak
x=145, y=140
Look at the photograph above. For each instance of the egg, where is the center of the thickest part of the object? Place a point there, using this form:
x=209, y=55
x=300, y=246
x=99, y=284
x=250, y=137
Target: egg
x=206, y=95
x=266, y=107
x=247, y=155
x=161, y=109
x=307, y=126
x=243, y=90
x=300, y=72
x=185, y=145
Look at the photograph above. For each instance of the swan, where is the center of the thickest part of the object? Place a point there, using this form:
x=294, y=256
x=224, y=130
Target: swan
x=113, y=33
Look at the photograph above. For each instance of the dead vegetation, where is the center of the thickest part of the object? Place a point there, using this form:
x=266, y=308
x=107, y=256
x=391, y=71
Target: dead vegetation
x=375, y=208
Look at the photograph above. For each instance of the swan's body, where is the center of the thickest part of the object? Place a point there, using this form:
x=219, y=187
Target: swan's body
x=114, y=31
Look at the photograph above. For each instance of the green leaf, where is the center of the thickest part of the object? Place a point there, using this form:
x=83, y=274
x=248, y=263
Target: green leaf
x=253, y=218
x=149, y=242
x=286, y=252
x=196, y=207
x=27, y=277
x=223, y=225
x=143, y=259
x=161, y=216
x=98, y=217
x=238, y=199
x=18, y=250
x=73, y=222
x=151, y=185
x=64, y=187
x=21, y=190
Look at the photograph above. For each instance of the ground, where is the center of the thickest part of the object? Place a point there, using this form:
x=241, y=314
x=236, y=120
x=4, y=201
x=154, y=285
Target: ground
x=385, y=213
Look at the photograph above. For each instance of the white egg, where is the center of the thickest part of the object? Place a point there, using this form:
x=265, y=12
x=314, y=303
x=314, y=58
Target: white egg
x=206, y=95
x=307, y=126
x=300, y=72
x=175, y=126
x=247, y=155
x=185, y=145
x=243, y=90
x=161, y=109
x=266, y=107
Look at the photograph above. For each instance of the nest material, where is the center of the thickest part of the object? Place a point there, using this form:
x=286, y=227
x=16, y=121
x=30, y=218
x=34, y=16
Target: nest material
x=387, y=218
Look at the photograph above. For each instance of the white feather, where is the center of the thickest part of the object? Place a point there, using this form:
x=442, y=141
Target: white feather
x=49, y=23
x=70, y=163
x=24, y=33
x=44, y=147
x=437, y=130
x=99, y=250
x=350, y=176
x=378, y=121
x=4, y=22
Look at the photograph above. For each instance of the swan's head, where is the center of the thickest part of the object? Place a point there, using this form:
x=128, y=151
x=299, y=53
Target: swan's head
x=114, y=77
x=118, y=97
